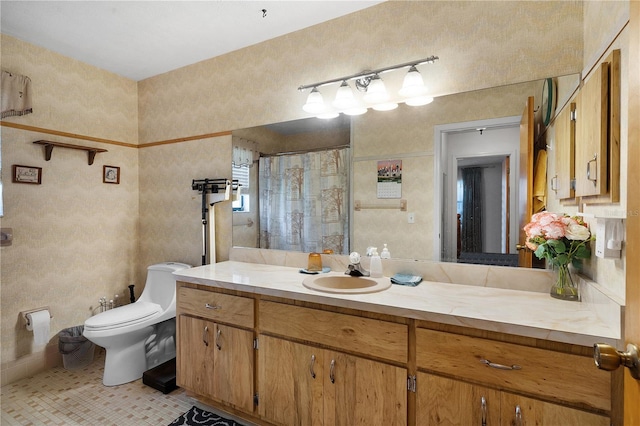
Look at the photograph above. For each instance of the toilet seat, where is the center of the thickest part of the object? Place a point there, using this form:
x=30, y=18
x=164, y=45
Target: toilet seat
x=131, y=314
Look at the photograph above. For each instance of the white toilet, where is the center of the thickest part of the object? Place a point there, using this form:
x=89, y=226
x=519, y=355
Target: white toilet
x=123, y=331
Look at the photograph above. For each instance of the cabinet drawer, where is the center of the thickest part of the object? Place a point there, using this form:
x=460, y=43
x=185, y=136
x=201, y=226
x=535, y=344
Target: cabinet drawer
x=570, y=378
x=225, y=308
x=381, y=339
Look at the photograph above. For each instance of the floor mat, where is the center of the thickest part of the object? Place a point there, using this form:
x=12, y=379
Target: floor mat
x=197, y=417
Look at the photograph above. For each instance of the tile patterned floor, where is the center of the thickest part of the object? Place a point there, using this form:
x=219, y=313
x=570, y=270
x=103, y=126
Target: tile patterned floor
x=62, y=397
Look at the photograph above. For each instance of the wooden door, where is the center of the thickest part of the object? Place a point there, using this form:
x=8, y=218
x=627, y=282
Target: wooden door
x=443, y=401
x=361, y=392
x=290, y=381
x=525, y=185
x=564, y=154
x=632, y=266
x=592, y=134
x=194, y=363
x=233, y=367
x=536, y=412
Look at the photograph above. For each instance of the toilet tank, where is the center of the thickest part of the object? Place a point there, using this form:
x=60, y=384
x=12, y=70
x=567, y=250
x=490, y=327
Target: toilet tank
x=160, y=287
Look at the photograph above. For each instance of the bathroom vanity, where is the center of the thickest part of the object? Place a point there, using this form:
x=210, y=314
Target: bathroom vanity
x=253, y=341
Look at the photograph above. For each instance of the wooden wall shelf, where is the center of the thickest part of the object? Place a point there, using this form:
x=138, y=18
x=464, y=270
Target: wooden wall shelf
x=48, y=149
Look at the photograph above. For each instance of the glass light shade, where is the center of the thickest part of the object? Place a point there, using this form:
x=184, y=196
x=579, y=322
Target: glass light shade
x=419, y=100
x=315, y=103
x=355, y=111
x=376, y=92
x=412, y=85
x=386, y=106
x=328, y=115
x=344, y=97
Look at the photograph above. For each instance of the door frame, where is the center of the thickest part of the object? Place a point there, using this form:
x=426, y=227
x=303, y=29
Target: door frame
x=441, y=133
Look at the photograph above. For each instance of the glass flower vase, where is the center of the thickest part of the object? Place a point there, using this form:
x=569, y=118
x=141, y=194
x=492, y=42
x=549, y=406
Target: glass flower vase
x=564, y=287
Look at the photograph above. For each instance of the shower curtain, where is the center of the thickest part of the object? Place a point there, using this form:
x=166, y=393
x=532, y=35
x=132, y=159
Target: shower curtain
x=304, y=201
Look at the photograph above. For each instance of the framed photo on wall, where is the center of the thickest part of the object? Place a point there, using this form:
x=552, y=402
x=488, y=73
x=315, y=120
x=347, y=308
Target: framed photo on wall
x=111, y=174
x=27, y=174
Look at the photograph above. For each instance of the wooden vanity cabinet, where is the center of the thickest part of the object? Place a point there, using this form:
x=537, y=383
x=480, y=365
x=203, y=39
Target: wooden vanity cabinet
x=215, y=357
x=307, y=384
x=286, y=362
x=520, y=385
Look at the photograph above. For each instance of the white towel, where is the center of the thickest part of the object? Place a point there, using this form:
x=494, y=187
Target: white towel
x=15, y=95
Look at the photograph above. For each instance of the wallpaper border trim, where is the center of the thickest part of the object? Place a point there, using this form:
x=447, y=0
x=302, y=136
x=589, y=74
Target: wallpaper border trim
x=112, y=142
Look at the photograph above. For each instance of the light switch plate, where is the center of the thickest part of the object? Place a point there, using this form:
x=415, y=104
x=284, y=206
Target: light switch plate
x=411, y=218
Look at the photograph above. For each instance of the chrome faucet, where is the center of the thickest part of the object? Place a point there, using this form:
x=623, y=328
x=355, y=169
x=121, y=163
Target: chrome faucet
x=355, y=269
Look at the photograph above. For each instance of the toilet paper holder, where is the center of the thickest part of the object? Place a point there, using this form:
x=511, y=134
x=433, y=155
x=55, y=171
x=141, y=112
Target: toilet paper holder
x=23, y=314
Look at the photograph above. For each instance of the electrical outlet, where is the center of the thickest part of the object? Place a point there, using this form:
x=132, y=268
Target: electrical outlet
x=411, y=218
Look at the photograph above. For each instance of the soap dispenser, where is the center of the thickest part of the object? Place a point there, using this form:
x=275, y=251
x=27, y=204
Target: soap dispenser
x=385, y=253
x=375, y=266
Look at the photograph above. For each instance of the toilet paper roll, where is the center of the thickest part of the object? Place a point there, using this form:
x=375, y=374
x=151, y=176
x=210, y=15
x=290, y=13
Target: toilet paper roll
x=40, y=324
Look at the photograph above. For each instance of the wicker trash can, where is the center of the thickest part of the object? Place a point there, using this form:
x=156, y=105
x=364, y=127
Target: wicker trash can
x=77, y=351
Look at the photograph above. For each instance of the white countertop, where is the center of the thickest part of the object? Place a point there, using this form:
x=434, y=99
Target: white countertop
x=517, y=312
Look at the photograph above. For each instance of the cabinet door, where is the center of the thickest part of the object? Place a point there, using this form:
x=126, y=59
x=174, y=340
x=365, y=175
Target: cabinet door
x=442, y=401
x=290, y=381
x=233, y=366
x=534, y=412
x=592, y=134
x=359, y=391
x=194, y=364
x=564, y=154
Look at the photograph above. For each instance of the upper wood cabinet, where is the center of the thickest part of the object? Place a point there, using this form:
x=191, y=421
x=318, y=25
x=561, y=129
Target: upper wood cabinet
x=562, y=184
x=591, y=134
x=597, y=146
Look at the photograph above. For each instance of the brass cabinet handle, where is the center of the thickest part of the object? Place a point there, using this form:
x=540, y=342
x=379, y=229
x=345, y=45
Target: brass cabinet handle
x=518, y=421
x=214, y=307
x=205, y=336
x=521, y=247
x=608, y=358
x=332, y=371
x=483, y=407
x=218, y=339
x=500, y=366
x=311, y=364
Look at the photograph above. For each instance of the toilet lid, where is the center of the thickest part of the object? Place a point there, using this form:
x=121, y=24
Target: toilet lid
x=123, y=315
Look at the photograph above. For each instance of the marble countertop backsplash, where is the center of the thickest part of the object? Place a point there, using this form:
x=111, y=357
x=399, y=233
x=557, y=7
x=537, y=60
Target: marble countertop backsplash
x=501, y=299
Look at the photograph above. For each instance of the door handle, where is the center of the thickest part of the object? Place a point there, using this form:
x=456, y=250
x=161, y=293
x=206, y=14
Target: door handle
x=608, y=358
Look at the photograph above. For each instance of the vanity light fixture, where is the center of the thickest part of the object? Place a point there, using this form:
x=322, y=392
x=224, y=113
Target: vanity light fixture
x=376, y=96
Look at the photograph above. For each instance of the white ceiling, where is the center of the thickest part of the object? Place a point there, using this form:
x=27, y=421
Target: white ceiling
x=140, y=39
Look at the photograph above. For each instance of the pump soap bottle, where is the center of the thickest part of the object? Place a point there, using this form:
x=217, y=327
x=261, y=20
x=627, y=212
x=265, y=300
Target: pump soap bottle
x=385, y=254
x=376, y=265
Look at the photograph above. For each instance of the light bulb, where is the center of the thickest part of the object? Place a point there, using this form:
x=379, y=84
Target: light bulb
x=355, y=111
x=386, y=106
x=419, y=100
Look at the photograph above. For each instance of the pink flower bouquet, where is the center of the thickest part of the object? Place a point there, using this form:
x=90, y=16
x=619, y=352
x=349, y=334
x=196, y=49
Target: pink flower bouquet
x=560, y=239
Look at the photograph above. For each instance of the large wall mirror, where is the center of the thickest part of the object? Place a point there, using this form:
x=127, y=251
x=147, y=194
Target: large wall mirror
x=471, y=135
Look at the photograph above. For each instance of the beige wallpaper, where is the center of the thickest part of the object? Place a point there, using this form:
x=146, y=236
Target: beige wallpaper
x=77, y=239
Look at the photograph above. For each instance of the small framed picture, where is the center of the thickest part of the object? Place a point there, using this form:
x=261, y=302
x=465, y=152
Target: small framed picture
x=27, y=174
x=110, y=174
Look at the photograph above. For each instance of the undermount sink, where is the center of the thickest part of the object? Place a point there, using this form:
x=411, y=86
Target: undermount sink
x=346, y=284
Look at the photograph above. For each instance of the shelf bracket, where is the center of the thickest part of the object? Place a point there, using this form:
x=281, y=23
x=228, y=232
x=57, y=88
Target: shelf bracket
x=48, y=149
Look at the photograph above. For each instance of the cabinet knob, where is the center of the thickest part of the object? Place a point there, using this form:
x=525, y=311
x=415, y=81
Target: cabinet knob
x=521, y=247
x=608, y=358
